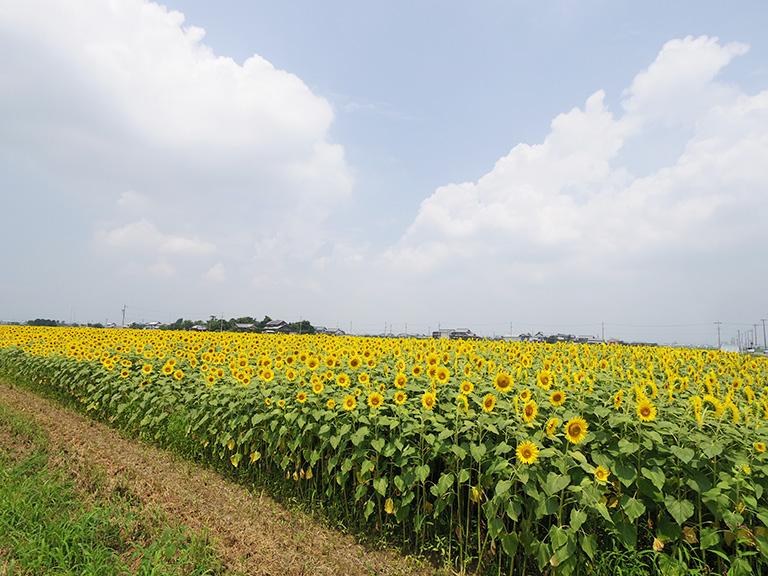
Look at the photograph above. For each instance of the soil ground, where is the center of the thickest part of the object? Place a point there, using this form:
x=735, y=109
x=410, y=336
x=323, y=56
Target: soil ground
x=252, y=533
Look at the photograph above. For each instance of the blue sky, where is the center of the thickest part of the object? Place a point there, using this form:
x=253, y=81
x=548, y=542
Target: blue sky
x=543, y=166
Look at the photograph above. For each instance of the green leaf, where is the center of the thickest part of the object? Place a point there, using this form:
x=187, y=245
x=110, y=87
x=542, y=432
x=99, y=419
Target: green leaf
x=655, y=475
x=495, y=526
x=378, y=444
x=684, y=454
x=380, y=485
x=628, y=447
x=369, y=508
x=509, y=543
x=626, y=474
x=578, y=517
x=359, y=435
x=502, y=449
x=740, y=567
x=556, y=482
x=633, y=507
x=627, y=534
x=502, y=487
x=708, y=538
x=680, y=510
x=459, y=451
x=711, y=448
x=445, y=483
x=589, y=544
x=422, y=472
x=477, y=451
x=602, y=509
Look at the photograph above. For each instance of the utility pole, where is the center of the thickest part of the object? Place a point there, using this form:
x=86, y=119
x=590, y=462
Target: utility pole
x=718, y=334
x=765, y=344
x=603, y=330
x=754, y=336
x=123, y=324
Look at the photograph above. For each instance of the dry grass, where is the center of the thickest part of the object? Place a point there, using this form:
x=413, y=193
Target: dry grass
x=252, y=534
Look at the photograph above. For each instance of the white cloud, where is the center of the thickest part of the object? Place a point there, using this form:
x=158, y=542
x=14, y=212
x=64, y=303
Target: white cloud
x=551, y=217
x=103, y=97
x=217, y=273
x=143, y=235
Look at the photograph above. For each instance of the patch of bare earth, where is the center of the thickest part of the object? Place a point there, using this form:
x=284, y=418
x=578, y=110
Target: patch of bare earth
x=252, y=534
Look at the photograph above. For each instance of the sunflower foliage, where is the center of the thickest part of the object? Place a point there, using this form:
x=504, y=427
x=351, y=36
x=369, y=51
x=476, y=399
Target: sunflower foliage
x=514, y=456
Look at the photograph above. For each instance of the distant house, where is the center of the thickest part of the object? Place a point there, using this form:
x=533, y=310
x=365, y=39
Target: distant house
x=152, y=325
x=245, y=327
x=463, y=334
x=198, y=328
x=442, y=333
x=329, y=332
x=275, y=326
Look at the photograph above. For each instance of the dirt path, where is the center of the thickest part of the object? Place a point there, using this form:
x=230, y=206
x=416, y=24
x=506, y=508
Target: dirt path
x=252, y=534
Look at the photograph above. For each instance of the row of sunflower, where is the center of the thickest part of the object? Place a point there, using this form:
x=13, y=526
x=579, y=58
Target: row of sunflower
x=504, y=452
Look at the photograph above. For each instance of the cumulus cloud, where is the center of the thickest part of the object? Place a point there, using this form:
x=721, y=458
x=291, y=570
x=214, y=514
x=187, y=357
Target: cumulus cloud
x=145, y=236
x=552, y=214
x=104, y=97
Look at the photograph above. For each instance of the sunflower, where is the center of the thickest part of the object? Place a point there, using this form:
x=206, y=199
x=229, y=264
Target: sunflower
x=363, y=378
x=525, y=395
x=545, y=379
x=358, y=391
x=375, y=399
x=527, y=452
x=428, y=400
x=147, y=368
x=268, y=401
x=442, y=374
x=617, y=399
x=530, y=410
x=646, y=410
x=552, y=425
x=355, y=362
x=576, y=430
x=502, y=382
x=349, y=402
x=318, y=387
x=267, y=375
x=301, y=397
x=343, y=380
x=281, y=403
x=557, y=398
x=178, y=374
x=124, y=373
x=331, y=404
x=489, y=402
x=760, y=447
x=462, y=402
x=417, y=370
x=697, y=405
x=290, y=374
x=400, y=397
x=400, y=380
x=167, y=369
x=466, y=387
x=389, y=506
x=602, y=473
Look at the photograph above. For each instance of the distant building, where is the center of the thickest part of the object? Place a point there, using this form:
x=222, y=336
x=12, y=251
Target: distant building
x=275, y=326
x=442, y=333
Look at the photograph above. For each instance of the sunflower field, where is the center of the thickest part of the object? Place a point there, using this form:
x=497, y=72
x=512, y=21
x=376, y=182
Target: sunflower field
x=506, y=457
